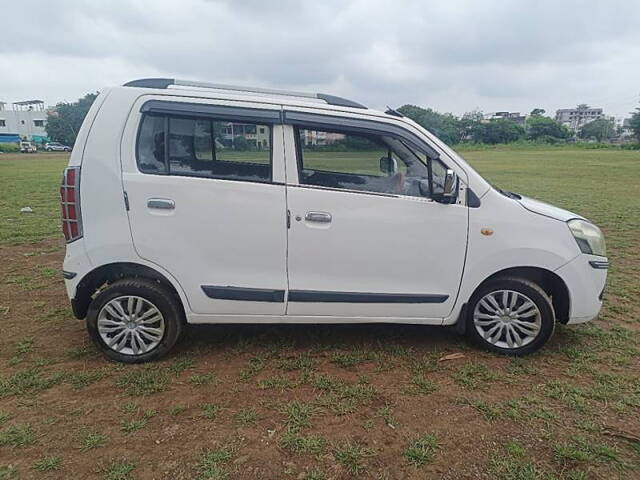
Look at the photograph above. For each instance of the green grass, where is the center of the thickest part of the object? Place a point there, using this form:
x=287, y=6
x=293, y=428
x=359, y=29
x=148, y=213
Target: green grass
x=352, y=358
x=582, y=450
x=513, y=464
x=211, y=410
x=277, y=382
x=177, y=410
x=314, y=475
x=82, y=379
x=30, y=181
x=475, y=376
x=246, y=417
x=47, y=464
x=144, y=380
x=91, y=440
x=351, y=456
x=421, y=450
x=4, y=417
x=296, y=443
x=7, y=472
x=212, y=463
x=28, y=381
x=420, y=384
x=298, y=415
x=18, y=435
x=119, y=470
x=203, y=379
x=130, y=426
x=562, y=399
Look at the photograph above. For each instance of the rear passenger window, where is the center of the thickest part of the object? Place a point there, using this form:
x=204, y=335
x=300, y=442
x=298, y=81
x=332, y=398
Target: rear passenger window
x=151, y=145
x=205, y=148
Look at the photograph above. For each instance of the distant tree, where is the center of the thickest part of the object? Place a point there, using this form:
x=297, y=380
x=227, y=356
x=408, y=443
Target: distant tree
x=444, y=125
x=539, y=127
x=538, y=112
x=601, y=130
x=473, y=116
x=241, y=144
x=353, y=142
x=65, y=120
x=635, y=123
x=497, y=131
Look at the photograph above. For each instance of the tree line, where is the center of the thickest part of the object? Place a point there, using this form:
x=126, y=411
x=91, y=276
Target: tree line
x=65, y=120
x=472, y=127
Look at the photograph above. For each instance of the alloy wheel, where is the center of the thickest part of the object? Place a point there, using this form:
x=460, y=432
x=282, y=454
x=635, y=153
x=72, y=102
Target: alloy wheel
x=131, y=325
x=507, y=319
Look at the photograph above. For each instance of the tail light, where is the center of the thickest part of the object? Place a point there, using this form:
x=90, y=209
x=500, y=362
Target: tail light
x=70, y=204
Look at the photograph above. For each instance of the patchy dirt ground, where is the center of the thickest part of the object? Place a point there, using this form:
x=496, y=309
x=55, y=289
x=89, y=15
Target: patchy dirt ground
x=314, y=402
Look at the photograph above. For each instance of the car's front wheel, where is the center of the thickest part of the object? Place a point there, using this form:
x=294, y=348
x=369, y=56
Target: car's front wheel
x=135, y=320
x=510, y=315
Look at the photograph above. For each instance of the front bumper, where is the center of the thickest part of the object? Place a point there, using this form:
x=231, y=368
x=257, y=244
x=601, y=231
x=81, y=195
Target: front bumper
x=585, y=276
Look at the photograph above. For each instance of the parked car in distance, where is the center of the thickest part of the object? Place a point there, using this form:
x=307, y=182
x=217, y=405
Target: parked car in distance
x=56, y=147
x=192, y=203
x=27, y=147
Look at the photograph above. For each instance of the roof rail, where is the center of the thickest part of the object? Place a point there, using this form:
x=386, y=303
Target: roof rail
x=167, y=82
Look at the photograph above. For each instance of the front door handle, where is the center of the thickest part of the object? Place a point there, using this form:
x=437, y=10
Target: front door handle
x=318, y=217
x=161, y=203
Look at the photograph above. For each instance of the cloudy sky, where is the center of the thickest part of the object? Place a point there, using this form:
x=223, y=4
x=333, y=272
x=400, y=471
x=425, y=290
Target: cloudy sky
x=453, y=56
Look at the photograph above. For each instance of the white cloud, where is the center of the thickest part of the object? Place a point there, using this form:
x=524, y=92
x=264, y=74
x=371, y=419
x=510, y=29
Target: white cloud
x=452, y=56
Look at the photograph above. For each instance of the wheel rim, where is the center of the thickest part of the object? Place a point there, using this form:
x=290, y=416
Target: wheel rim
x=131, y=325
x=507, y=319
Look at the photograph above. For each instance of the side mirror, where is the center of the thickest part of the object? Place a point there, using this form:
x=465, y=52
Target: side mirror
x=388, y=166
x=445, y=189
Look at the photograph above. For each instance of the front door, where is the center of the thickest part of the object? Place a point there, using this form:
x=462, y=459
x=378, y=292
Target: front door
x=204, y=205
x=365, y=238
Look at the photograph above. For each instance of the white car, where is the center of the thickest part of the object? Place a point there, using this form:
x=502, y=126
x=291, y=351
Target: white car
x=56, y=147
x=27, y=147
x=198, y=203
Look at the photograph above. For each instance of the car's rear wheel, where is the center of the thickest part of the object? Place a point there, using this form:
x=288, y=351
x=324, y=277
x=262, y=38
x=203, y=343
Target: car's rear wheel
x=135, y=320
x=513, y=316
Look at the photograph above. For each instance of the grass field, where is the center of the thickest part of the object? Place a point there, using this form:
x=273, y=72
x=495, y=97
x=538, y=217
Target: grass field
x=326, y=402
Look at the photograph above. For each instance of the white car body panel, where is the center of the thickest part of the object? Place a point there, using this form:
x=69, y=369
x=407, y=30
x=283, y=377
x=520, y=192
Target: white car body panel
x=377, y=244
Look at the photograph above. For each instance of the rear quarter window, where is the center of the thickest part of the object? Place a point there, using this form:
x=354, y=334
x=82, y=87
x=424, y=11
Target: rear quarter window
x=204, y=147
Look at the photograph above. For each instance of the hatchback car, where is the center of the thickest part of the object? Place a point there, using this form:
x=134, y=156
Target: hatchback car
x=56, y=147
x=197, y=203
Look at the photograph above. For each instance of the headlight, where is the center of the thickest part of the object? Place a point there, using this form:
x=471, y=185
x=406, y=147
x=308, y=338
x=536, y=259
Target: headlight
x=589, y=237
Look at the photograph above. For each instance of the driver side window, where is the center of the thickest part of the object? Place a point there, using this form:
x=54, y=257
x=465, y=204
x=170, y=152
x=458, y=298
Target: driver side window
x=362, y=162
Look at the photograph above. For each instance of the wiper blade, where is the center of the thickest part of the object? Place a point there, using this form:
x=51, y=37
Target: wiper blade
x=509, y=194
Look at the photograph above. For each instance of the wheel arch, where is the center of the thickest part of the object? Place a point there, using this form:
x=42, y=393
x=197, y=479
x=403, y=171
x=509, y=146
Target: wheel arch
x=93, y=281
x=549, y=281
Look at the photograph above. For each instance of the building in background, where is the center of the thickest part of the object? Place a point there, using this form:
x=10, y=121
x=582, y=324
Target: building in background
x=575, y=118
x=315, y=137
x=24, y=121
x=513, y=116
x=626, y=132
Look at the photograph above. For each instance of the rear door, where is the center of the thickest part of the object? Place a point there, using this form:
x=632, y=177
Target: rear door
x=205, y=187
x=366, y=240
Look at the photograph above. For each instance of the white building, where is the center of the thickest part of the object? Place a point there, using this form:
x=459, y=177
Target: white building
x=25, y=120
x=575, y=118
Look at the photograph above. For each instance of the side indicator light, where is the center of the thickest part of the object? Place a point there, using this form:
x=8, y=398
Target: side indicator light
x=486, y=231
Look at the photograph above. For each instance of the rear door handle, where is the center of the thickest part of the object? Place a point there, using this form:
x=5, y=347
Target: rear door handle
x=318, y=217
x=161, y=203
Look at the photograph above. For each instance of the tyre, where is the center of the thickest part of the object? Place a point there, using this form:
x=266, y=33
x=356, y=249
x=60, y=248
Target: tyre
x=509, y=315
x=135, y=320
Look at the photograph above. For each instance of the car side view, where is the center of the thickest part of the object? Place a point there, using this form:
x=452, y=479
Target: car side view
x=196, y=203
x=56, y=147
